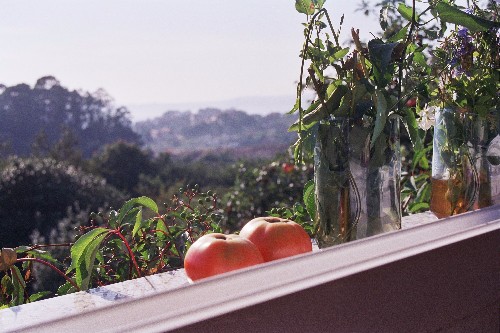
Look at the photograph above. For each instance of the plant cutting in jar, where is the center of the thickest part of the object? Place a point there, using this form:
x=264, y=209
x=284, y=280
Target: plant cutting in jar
x=352, y=126
x=466, y=103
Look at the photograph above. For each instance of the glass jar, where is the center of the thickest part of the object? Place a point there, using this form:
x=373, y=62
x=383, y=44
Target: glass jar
x=485, y=139
x=357, y=186
x=454, y=181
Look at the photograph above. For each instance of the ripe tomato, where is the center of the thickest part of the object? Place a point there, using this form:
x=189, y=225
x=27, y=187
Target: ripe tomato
x=277, y=238
x=217, y=253
x=287, y=167
x=411, y=103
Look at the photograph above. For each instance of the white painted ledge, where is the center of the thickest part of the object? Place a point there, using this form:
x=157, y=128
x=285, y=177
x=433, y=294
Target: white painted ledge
x=166, y=301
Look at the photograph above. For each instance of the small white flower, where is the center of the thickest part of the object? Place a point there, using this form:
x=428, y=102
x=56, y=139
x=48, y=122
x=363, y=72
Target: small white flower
x=427, y=118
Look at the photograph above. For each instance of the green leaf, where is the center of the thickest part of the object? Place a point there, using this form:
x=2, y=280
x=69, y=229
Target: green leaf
x=451, y=14
x=38, y=296
x=412, y=128
x=419, y=58
x=19, y=286
x=43, y=255
x=319, y=3
x=295, y=107
x=131, y=216
x=83, y=253
x=424, y=193
x=66, y=288
x=308, y=120
x=6, y=284
x=381, y=117
x=138, y=221
x=419, y=155
x=309, y=198
x=339, y=54
x=86, y=265
x=400, y=35
x=405, y=11
x=22, y=248
x=381, y=54
x=161, y=226
x=143, y=201
x=78, y=249
x=418, y=207
x=304, y=6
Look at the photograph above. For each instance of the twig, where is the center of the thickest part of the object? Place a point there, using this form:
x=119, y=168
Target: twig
x=54, y=268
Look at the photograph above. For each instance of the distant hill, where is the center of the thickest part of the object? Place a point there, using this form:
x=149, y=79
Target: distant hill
x=262, y=105
x=215, y=130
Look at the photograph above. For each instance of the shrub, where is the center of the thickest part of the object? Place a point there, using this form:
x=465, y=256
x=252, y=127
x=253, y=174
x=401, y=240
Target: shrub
x=36, y=193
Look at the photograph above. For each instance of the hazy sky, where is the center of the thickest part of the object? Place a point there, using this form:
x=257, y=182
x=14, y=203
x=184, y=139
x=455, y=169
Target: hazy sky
x=160, y=51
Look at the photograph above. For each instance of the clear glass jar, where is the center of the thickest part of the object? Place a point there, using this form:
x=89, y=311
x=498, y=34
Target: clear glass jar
x=454, y=181
x=485, y=139
x=357, y=188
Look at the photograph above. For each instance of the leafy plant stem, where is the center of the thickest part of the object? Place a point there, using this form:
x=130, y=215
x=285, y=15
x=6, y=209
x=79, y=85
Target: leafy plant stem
x=403, y=55
x=301, y=82
x=169, y=234
x=19, y=280
x=131, y=254
x=54, y=268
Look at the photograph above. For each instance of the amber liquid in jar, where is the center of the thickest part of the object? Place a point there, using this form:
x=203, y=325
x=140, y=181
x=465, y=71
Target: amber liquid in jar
x=442, y=204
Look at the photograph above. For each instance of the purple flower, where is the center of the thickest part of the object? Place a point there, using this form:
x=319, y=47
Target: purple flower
x=462, y=33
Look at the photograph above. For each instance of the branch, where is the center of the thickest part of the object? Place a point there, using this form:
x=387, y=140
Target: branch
x=54, y=268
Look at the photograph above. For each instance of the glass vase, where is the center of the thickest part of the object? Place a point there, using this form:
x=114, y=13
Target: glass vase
x=493, y=160
x=485, y=140
x=455, y=180
x=357, y=186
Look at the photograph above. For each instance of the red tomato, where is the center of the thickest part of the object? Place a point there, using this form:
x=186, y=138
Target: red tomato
x=287, y=167
x=277, y=238
x=217, y=253
x=411, y=103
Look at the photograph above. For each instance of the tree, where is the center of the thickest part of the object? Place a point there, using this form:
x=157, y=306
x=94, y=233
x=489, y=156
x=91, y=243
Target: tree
x=121, y=164
x=66, y=149
x=52, y=109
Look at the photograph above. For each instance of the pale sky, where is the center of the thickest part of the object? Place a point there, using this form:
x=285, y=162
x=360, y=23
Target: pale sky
x=161, y=51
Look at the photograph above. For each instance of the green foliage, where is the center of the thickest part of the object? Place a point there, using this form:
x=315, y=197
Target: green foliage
x=278, y=184
x=120, y=245
x=122, y=165
x=467, y=61
x=304, y=6
x=452, y=14
x=362, y=83
x=416, y=186
x=18, y=286
x=35, y=193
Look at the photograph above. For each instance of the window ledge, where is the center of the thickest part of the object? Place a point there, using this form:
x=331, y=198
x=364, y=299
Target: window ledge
x=161, y=302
